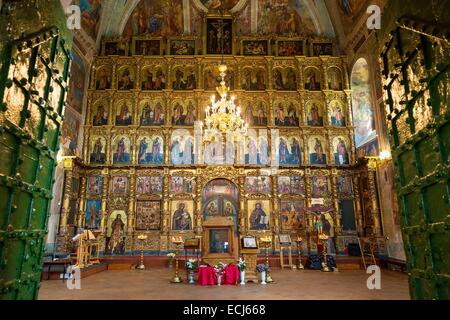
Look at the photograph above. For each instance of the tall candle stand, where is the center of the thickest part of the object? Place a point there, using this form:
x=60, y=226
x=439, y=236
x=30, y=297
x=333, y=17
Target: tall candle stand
x=299, y=253
x=323, y=237
x=142, y=238
x=267, y=241
x=176, y=278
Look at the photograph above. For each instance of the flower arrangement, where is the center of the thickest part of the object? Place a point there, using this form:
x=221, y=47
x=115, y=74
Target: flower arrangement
x=190, y=264
x=262, y=267
x=241, y=264
x=220, y=268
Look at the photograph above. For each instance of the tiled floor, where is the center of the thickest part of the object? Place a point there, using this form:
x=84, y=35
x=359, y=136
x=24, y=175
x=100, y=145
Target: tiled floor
x=298, y=285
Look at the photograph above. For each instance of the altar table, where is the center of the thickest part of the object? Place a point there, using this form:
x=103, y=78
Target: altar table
x=207, y=276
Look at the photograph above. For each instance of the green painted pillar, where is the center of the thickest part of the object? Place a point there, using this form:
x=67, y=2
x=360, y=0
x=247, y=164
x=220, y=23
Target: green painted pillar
x=34, y=64
x=416, y=74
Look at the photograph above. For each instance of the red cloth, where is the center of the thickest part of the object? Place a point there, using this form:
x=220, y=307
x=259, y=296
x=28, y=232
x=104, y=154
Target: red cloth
x=231, y=275
x=207, y=276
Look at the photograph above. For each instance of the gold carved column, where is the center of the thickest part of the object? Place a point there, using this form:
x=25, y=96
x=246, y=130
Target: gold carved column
x=375, y=212
x=82, y=204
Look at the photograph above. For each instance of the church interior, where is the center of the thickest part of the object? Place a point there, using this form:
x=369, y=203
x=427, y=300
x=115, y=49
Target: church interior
x=270, y=149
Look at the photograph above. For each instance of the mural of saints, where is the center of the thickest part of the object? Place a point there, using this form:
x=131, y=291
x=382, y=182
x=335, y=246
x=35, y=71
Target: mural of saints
x=253, y=80
x=94, y=185
x=121, y=153
x=334, y=79
x=183, y=116
x=185, y=79
x=337, y=118
x=219, y=35
x=126, y=80
x=181, y=218
x=116, y=240
x=123, y=115
x=289, y=151
x=93, y=216
x=312, y=80
x=344, y=184
x=149, y=185
x=103, y=79
x=153, y=80
x=119, y=185
x=286, y=83
x=148, y=215
x=292, y=215
x=98, y=154
x=151, y=150
x=291, y=185
x=319, y=186
x=182, y=184
x=315, y=114
x=286, y=116
x=100, y=118
x=152, y=115
x=259, y=219
x=341, y=156
x=317, y=153
x=182, y=150
x=256, y=116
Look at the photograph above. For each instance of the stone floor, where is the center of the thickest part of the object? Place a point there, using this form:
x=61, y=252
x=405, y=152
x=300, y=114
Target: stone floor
x=297, y=285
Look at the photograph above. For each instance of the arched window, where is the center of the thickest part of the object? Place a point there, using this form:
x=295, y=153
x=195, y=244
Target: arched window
x=366, y=141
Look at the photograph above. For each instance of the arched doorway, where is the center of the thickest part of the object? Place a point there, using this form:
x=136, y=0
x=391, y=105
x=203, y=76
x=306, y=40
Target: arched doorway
x=220, y=198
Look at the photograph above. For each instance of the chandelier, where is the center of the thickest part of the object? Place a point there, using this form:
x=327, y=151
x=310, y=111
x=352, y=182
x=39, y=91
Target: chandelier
x=223, y=116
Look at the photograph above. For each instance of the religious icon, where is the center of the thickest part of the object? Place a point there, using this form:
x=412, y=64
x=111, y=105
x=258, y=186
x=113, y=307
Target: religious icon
x=98, y=154
x=340, y=154
x=314, y=114
x=93, y=216
x=184, y=116
x=317, y=153
x=292, y=215
x=185, y=79
x=255, y=47
x=334, y=77
x=284, y=79
x=337, y=117
x=153, y=79
x=103, y=79
x=100, y=117
x=322, y=49
x=219, y=36
x=286, y=115
x=212, y=209
x=345, y=188
x=312, y=79
x=319, y=186
x=263, y=151
x=219, y=240
x=290, y=48
x=182, y=47
x=182, y=149
x=115, y=234
x=212, y=79
x=148, y=215
x=291, y=185
x=289, y=151
x=251, y=156
x=149, y=185
x=182, y=217
x=152, y=113
x=121, y=153
x=253, y=80
x=259, y=214
x=257, y=184
x=249, y=242
x=124, y=115
x=94, y=185
x=147, y=47
x=180, y=184
x=126, y=79
x=115, y=48
x=155, y=155
x=119, y=185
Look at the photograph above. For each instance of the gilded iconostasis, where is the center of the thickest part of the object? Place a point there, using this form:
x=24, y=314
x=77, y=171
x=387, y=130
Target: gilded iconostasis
x=143, y=165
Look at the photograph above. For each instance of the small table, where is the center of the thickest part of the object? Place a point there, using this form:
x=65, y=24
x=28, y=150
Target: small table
x=207, y=276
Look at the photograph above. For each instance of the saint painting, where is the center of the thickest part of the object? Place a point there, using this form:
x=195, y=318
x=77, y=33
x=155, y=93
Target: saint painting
x=253, y=80
x=185, y=79
x=116, y=233
x=255, y=47
x=184, y=116
x=148, y=215
x=286, y=117
x=212, y=79
x=344, y=186
x=251, y=156
x=322, y=49
x=124, y=116
x=259, y=219
x=219, y=35
x=147, y=47
x=315, y=114
x=256, y=116
x=182, y=150
x=153, y=80
x=334, y=77
x=181, y=220
x=319, y=186
x=291, y=185
x=286, y=83
x=182, y=47
x=317, y=152
x=151, y=150
x=219, y=241
x=263, y=151
x=100, y=118
x=152, y=115
x=312, y=80
x=98, y=155
x=290, y=48
x=94, y=185
x=337, y=117
x=149, y=185
x=257, y=184
x=103, y=79
x=93, y=216
x=292, y=215
x=182, y=184
x=119, y=185
x=126, y=81
x=340, y=154
x=289, y=151
x=121, y=154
